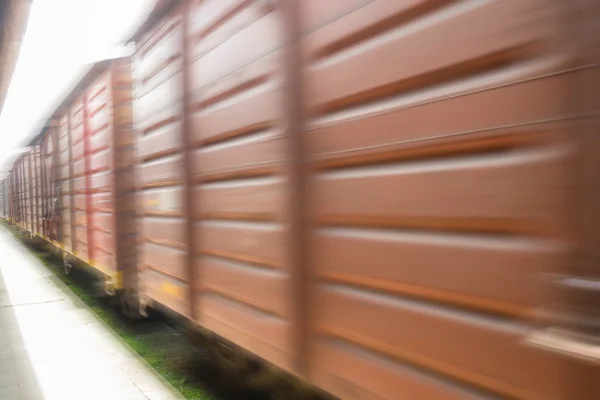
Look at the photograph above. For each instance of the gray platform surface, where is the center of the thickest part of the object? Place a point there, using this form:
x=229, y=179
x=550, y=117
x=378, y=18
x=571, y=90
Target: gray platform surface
x=52, y=347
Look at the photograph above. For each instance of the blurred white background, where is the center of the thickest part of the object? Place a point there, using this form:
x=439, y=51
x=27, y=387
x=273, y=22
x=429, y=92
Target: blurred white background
x=62, y=36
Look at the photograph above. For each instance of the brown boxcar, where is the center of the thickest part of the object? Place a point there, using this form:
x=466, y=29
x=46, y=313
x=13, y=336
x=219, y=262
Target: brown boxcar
x=15, y=193
x=389, y=199
x=36, y=155
x=15, y=208
x=27, y=192
x=28, y=189
x=382, y=197
x=87, y=158
x=4, y=199
x=23, y=194
x=25, y=199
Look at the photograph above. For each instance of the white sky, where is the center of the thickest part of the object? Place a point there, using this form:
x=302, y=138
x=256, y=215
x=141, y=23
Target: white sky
x=62, y=36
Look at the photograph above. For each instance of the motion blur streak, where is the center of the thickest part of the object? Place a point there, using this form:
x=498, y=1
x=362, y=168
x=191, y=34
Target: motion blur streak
x=387, y=199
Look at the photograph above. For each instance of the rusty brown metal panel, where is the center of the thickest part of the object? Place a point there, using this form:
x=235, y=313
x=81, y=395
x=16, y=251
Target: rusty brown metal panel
x=46, y=175
x=11, y=193
x=61, y=182
x=17, y=193
x=14, y=193
x=123, y=162
x=38, y=184
x=36, y=180
x=66, y=127
x=13, y=188
x=231, y=179
x=41, y=190
x=582, y=287
x=298, y=199
x=24, y=203
x=240, y=179
x=7, y=199
x=410, y=256
x=19, y=179
x=9, y=187
x=437, y=212
x=76, y=139
x=190, y=198
x=99, y=167
x=160, y=171
x=571, y=328
x=89, y=168
x=32, y=199
x=88, y=178
x=34, y=189
x=393, y=73
x=30, y=191
x=23, y=194
x=40, y=194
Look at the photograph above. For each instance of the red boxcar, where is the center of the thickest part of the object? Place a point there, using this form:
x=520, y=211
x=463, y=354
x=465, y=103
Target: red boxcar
x=85, y=163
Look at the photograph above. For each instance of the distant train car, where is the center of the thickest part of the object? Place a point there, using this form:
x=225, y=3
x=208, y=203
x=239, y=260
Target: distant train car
x=21, y=193
x=84, y=163
x=4, y=199
x=388, y=199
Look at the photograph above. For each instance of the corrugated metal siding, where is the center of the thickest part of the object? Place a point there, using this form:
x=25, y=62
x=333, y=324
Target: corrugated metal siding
x=233, y=252
x=411, y=255
x=79, y=182
x=440, y=194
x=159, y=109
x=124, y=172
x=101, y=182
x=17, y=194
x=16, y=200
x=8, y=192
x=28, y=192
x=24, y=189
x=110, y=167
x=4, y=198
x=63, y=181
x=20, y=193
x=38, y=190
x=47, y=186
x=239, y=178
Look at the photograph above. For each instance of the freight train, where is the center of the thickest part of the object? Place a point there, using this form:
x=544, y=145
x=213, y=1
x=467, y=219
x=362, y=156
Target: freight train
x=388, y=199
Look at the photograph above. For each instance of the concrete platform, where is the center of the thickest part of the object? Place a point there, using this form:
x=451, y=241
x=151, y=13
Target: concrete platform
x=52, y=347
